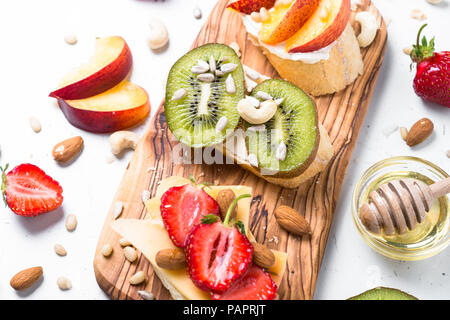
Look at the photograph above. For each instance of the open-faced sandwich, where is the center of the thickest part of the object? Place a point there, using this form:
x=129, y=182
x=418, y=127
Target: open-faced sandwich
x=273, y=132
x=197, y=239
x=311, y=43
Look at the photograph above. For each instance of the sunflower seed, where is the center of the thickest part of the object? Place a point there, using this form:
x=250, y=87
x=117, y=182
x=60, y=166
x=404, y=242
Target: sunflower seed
x=236, y=48
x=199, y=69
x=229, y=85
x=279, y=101
x=255, y=102
x=212, y=64
x=281, y=151
x=179, y=94
x=219, y=73
x=228, y=67
x=206, y=77
x=263, y=95
x=252, y=74
x=118, y=208
x=145, y=195
x=221, y=124
x=249, y=84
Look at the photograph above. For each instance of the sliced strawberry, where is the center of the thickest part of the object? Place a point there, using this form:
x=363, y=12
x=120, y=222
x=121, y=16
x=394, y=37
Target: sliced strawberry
x=217, y=255
x=28, y=191
x=182, y=208
x=256, y=284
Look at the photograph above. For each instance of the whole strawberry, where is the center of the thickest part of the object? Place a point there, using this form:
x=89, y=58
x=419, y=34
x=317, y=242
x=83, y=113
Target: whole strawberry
x=432, y=80
x=28, y=191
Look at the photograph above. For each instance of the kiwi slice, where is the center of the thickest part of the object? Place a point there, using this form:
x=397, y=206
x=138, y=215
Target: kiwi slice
x=193, y=118
x=382, y=293
x=295, y=124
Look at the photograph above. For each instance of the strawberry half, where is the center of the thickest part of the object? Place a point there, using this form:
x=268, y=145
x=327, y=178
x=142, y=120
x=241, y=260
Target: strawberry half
x=432, y=80
x=29, y=192
x=217, y=254
x=256, y=284
x=182, y=208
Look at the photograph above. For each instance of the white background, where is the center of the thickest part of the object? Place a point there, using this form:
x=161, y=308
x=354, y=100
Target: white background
x=34, y=57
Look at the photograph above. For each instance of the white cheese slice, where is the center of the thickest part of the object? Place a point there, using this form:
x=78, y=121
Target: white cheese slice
x=149, y=236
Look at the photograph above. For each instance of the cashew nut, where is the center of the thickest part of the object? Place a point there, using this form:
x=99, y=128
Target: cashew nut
x=159, y=36
x=122, y=140
x=255, y=115
x=369, y=27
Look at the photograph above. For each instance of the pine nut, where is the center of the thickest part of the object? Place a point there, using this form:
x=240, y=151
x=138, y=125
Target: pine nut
x=263, y=95
x=252, y=159
x=138, y=278
x=145, y=295
x=255, y=16
x=281, y=151
x=130, y=254
x=35, y=124
x=59, y=250
x=70, y=39
x=197, y=13
x=71, y=222
x=64, y=283
x=264, y=14
x=124, y=242
x=107, y=250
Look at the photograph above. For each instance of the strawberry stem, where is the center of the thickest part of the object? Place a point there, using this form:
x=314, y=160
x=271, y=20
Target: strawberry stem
x=422, y=50
x=232, y=205
x=3, y=188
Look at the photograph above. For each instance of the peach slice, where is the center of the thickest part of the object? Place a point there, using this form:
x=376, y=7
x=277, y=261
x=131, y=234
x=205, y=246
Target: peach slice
x=249, y=6
x=111, y=63
x=286, y=20
x=121, y=107
x=323, y=27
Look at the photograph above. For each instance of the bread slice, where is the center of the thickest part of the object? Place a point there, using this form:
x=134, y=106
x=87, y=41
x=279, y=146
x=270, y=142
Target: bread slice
x=235, y=148
x=327, y=76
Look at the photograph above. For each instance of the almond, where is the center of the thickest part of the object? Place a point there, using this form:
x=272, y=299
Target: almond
x=419, y=132
x=26, y=278
x=292, y=221
x=67, y=149
x=262, y=256
x=171, y=259
x=224, y=199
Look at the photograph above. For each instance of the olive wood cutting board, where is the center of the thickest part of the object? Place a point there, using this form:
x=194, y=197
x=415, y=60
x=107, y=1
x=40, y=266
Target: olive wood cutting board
x=342, y=114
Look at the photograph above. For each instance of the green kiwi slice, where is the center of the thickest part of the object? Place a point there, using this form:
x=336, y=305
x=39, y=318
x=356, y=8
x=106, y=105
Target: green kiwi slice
x=382, y=293
x=193, y=118
x=295, y=124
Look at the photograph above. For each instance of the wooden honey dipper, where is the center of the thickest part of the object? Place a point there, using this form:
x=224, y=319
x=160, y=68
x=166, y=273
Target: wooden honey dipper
x=399, y=205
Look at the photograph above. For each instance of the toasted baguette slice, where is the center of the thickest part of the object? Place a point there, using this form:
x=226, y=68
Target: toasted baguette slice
x=238, y=152
x=327, y=76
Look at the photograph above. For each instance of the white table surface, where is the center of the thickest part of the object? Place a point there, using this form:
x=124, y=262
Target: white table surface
x=34, y=57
